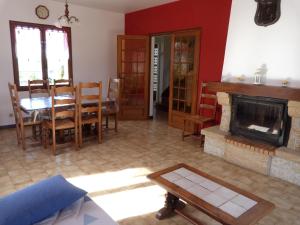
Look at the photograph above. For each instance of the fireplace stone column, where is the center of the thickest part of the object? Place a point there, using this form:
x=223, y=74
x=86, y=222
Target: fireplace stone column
x=224, y=99
x=294, y=112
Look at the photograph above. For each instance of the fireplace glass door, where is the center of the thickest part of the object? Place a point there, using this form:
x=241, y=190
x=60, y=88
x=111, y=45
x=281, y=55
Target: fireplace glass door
x=260, y=118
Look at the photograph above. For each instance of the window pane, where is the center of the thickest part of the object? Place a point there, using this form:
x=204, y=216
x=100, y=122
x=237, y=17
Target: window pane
x=57, y=53
x=28, y=50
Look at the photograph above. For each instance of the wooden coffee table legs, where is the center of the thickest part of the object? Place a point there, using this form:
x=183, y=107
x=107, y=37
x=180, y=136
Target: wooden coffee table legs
x=174, y=205
x=171, y=204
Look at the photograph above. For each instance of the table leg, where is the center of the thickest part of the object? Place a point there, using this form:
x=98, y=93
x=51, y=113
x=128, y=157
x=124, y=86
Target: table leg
x=106, y=121
x=61, y=134
x=34, y=132
x=172, y=202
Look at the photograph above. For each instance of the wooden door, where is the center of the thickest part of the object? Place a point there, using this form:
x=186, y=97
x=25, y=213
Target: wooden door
x=133, y=71
x=184, y=76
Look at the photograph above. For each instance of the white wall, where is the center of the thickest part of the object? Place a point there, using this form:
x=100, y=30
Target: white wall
x=249, y=46
x=93, y=43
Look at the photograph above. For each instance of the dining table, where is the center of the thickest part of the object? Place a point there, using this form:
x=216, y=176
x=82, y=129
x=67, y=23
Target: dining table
x=38, y=104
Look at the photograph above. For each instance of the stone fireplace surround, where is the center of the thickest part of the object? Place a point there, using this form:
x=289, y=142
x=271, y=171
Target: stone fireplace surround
x=282, y=162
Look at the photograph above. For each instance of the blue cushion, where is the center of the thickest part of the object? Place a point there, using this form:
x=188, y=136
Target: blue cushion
x=37, y=202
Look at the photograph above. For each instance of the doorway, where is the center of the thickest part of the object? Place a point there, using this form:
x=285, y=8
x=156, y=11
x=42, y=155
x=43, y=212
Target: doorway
x=160, y=76
x=174, y=68
x=174, y=76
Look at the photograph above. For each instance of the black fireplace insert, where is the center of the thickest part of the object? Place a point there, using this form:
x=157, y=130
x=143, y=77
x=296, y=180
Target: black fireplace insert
x=260, y=118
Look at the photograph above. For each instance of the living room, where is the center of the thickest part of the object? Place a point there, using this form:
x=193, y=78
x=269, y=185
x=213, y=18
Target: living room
x=120, y=163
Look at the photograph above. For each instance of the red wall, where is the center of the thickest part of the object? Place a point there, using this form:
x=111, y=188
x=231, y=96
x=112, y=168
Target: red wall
x=209, y=15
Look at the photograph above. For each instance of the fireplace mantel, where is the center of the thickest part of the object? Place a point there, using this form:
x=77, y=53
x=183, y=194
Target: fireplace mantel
x=292, y=94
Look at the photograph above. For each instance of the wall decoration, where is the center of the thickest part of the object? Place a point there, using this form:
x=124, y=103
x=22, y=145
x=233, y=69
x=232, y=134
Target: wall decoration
x=261, y=74
x=268, y=12
x=241, y=78
x=285, y=82
x=42, y=12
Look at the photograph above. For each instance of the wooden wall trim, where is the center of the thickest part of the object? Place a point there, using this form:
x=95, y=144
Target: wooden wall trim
x=256, y=90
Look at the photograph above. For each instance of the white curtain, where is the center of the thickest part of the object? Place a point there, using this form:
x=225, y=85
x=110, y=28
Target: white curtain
x=28, y=51
x=57, y=53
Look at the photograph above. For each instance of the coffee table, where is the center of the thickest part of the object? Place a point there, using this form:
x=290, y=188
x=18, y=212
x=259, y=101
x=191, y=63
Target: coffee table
x=218, y=199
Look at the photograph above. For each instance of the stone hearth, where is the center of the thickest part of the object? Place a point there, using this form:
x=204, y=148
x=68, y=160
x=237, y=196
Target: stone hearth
x=294, y=112
x=283, y=162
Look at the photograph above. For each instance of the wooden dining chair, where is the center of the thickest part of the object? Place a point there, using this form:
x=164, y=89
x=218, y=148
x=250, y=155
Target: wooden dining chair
x=38, y=87
x=111, y=108
x=21, y=122
x=207, y=112
x=63, y=115
x=90, y=107
x=63, y=83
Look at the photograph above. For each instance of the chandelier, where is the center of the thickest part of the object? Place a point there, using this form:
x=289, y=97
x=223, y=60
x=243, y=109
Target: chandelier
x=66, y=19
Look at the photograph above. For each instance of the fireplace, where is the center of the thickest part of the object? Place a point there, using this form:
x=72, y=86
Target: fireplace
x=260, y=118
x=258, y=133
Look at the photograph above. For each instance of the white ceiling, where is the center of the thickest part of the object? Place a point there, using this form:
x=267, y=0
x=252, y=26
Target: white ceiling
x=122, y=6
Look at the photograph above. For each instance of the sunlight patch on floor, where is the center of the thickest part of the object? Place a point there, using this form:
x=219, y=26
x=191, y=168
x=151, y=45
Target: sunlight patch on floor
x=131, y=203
x=111, y=180
x=123, y=194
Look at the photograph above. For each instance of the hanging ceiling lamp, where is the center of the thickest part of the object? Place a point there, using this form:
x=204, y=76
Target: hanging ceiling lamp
x=66, y=19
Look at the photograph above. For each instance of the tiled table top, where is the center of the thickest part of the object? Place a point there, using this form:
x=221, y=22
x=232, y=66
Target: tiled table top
x=213, y=193
x=222, y=201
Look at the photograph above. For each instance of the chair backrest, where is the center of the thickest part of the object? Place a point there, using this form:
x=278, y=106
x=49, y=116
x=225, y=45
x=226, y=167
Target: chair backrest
x=15, y=103
x=208, y=102
x=63, y=83
x=90, y=98
x=113, y=92
x=38, y=87
x=63, y=103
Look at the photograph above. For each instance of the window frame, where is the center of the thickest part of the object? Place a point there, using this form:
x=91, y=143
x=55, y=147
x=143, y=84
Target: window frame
x=42, y=28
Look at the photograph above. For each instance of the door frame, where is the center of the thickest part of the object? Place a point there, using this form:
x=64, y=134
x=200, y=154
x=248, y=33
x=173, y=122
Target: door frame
x=197, y=64
x=151, y=69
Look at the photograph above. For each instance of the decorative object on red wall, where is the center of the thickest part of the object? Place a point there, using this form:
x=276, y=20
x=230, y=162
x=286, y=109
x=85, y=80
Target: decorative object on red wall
x=268, y=12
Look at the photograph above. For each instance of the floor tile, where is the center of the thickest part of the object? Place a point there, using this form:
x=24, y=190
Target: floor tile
x=116, y=170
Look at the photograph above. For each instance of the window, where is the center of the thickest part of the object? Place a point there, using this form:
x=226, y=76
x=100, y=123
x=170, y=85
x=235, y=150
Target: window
x=40, y=52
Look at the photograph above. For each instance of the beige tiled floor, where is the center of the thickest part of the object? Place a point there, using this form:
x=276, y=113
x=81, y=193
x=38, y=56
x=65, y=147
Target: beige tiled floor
x=114, y=173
